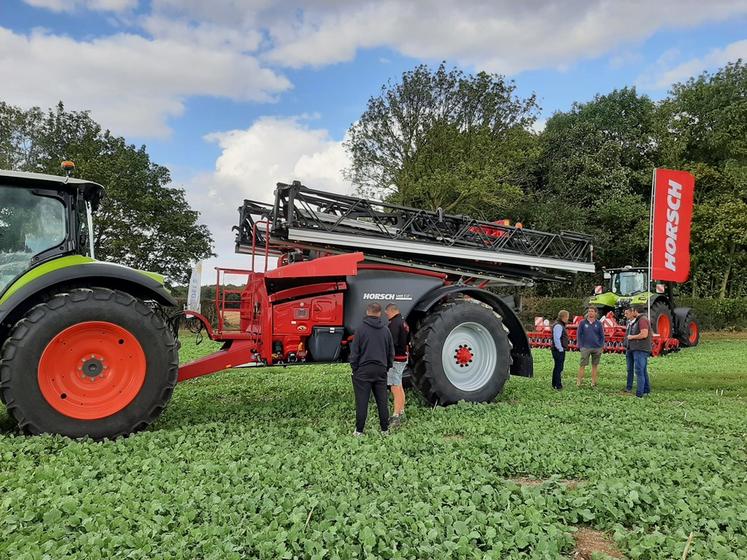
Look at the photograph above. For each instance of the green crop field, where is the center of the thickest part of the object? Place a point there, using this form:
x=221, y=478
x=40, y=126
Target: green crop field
x=260, y=463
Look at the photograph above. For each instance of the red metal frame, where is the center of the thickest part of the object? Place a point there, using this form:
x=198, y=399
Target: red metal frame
x=221, y=302
x=323, y=267
x=614, y=337
x=236, y=353
x=306, y=290
x=395, y=268
x=253, y=340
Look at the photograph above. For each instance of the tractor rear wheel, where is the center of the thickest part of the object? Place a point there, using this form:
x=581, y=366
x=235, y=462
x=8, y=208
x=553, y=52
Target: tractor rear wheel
x=461, y=351
x=661, y=320
x=689, y=330
x=91, y=362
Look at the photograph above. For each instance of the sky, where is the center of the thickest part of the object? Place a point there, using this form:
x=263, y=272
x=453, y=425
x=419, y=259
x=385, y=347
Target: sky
x=235, y=95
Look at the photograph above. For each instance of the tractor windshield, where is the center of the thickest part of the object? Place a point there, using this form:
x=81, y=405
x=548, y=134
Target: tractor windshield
x=29, y=225
x=629, y=283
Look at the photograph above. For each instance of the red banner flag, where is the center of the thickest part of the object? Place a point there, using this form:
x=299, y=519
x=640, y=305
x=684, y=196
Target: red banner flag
x=673, y=210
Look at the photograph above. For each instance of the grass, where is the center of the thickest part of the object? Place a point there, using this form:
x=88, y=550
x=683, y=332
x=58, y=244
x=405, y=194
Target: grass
x=260, y=463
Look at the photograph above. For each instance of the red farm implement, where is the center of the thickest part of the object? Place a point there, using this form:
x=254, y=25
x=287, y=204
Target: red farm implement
x=614, y=336
x=335, y=254
x=101, y=339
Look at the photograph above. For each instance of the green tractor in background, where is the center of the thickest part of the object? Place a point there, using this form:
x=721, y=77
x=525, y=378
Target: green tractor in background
x=629, y=286
x=88, y=347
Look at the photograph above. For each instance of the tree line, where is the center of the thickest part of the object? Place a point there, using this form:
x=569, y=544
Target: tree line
x=467, y=144
x=143, y=222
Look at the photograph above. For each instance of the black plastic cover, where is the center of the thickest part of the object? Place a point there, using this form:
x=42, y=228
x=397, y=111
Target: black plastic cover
x=325, y=343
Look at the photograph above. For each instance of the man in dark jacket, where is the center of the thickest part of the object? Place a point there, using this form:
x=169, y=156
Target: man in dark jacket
x=637, y=350
x=371, y=356
x=400, y=335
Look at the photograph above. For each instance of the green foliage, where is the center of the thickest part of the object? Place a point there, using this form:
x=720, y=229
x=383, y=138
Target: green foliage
x=600, y=156
x=718, y=313
x=464, y=172
x=713, y=314
x=142, y=222
x=705, y=120
x=461, y=142
x=260, y=463
x=444, y=138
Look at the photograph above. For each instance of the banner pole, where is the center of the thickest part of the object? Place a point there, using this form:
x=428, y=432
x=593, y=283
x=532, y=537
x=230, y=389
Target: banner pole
x=650, y=237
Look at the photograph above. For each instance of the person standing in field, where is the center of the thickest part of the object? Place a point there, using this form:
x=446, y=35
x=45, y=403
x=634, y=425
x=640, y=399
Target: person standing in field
x=590, y=339
x=400, y=335
x=559, y=348
x=637, y=350
x=371, y=357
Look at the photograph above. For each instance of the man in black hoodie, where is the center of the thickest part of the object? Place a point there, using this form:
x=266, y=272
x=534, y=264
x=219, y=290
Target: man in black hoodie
x=371, y=356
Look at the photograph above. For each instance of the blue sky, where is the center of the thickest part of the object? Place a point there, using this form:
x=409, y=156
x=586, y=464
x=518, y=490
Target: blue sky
x=233, y=95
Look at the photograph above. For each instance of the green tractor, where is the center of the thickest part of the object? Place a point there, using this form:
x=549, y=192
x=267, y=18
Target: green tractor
x=87, y=346
x=628, y=286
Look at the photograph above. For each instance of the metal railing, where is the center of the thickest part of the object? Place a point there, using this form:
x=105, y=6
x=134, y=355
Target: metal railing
x=305, y=216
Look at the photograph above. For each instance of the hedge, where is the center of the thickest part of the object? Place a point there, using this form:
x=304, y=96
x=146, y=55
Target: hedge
x=714, y=314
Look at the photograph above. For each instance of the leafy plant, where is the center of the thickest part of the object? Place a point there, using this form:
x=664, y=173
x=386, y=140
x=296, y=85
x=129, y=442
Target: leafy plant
x=260, y=463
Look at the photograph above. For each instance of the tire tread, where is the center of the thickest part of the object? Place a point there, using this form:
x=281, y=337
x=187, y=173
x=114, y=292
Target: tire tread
x=57, y=302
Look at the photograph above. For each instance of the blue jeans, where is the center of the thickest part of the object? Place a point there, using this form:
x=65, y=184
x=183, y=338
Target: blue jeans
x=638, y=360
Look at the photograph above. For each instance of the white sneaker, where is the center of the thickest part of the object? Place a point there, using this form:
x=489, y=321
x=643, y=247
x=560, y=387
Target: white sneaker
x=357, y=434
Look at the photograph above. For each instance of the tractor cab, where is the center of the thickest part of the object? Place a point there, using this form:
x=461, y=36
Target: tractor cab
x=627, y=283
x=43, y=217
x=630, y=286
x=624, y=286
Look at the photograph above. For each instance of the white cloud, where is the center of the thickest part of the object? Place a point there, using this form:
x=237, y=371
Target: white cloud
x=502, y=36
x=205, y=34
x=130, y=83
x=666, y=72
x=539, y=125
x=175, y=49
x=73, y=5
x=252, y=161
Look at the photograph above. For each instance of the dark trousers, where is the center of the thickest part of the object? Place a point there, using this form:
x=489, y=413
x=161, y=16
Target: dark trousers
x=558, y=359
x=363, y=384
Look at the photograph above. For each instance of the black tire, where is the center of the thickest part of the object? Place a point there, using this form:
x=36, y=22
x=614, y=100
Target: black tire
x=688, y=331
x=429, y=347
x=22, y=352
x=658, y=310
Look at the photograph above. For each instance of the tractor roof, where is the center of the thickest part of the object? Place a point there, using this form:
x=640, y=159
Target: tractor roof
x=91, y=191
x=627, y=269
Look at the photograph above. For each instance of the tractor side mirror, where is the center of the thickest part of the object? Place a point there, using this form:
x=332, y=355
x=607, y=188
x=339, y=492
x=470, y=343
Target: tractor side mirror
x=607, y=275
x=660, y=288
x=598, y=290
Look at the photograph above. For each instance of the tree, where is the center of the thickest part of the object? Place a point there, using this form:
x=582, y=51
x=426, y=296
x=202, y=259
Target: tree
x=465, y=172
x=595, y=174
x=142, y=222
x=435, y=139
x=704, y=130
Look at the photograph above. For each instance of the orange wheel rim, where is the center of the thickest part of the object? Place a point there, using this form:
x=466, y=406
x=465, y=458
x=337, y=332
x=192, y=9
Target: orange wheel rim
x=693, y=327
x=92, y=370
x=664, y=326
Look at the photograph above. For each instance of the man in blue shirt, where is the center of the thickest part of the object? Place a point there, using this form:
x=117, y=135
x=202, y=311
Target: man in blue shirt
x=559, y=348
x=590, y=338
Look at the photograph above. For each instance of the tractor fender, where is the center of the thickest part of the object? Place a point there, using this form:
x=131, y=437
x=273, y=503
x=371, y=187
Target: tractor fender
x=522, y=364
x=100, y=274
